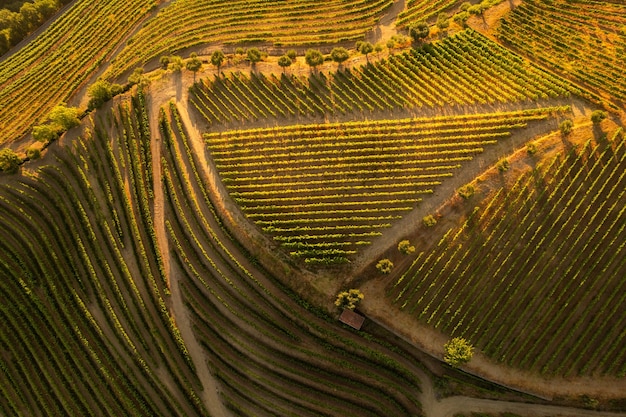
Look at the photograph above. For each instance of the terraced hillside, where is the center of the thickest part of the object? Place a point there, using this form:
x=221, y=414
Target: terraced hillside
x=179, y=253
x=586, y=40
x=543, y=259
x=323, y=191
x=49, y=69
x=188, y=23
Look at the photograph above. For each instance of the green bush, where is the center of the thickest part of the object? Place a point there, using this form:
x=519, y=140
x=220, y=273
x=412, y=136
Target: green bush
x=531, y=148
x=429, y=221
x=405, y=247
x=466, y=192
x=33, y=153
x=384, y=266
x=597, y=116
x=566, y=126
x=457, y=351
x=349, y=299
x=9, y=161
x=503, y=165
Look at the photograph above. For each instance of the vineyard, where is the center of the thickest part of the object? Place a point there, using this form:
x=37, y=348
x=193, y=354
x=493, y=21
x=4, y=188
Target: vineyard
x=436, y=75
x=185, y=249
x=55, y=64
x=543, y=259
x=188, y=23
x=323, y=191
x=582, y=38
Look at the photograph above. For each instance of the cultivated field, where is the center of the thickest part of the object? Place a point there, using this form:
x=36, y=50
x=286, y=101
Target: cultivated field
x=179, y=252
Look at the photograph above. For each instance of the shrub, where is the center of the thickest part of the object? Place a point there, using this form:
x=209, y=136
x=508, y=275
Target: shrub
x=566, y=126
x=9, y=161
x=45, y=133
x=349, y=299
x=466, y=192
x=405, y=247
x=384, y=266
x=503, y=165
x=33, y=153
x=457, y=351
x=292, y=54
x=65, y=117
x=597, y=116
x=429, y=221
x=531, y=148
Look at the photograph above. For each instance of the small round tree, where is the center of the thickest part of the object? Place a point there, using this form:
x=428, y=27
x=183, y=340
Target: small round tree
x=217, y=59
x=253, y=55
x=466, y=192
x=419, y=31
x=457, y=351
x=384, y=266
x=566, y=127
x=429, y=221
x=531, y=148
x=292, y=55
x=349, y=299
x=313, y=58
x=45, y=133
x=176, y=63
x=284, y=62
x=365, y=48
x=193, y=64
x=339, y=55
x=503, y=165
x=405, y=247
x=164, y=61
x=65, y=117
x=597, y=116
x=33, y=153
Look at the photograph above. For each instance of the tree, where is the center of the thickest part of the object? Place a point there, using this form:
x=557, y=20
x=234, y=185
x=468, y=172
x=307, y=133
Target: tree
x=137, y=77
x=365, y=48
x=313, y=58
x=378, y=48
x=175, y=63
x=339, y=55
x=217, y=58
x=99, y=93
x=65, y=117
x=443, y=22
x=193, y=64
x=566, y=126
x=419, y=31
x=405, y=247
x=384, y=266
x=466, y=192
x=457, y=351
x=597, y=116
x=45, y=133
x=9, y=161
x=284, y=62
x=33, y=153
x=292, y=55
x=349, y=299
x=164, y=61
x=253, y=55
x=429, y=221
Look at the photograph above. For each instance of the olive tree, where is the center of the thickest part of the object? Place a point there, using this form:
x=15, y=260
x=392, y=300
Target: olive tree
x=339, y=55
x=217, y=59
x=457, y=351
x=419, y=31
x=284, y=62
x=193, y=64
x=9, y=161
x=313, y=58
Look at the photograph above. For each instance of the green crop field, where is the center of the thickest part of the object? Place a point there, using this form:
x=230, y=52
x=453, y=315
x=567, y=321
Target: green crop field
x=189, y=190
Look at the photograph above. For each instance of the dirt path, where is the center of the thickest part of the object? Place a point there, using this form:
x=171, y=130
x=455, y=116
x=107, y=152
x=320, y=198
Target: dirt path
x=386, y=27
x=159, y=96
